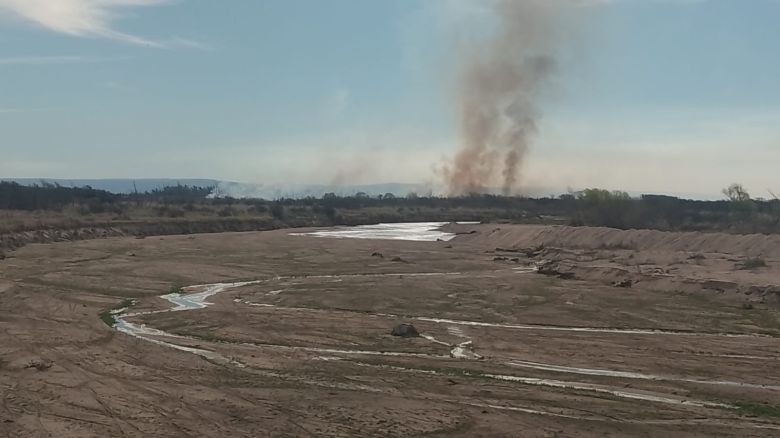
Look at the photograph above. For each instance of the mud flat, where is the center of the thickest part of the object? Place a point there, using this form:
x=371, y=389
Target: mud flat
x=287, y=333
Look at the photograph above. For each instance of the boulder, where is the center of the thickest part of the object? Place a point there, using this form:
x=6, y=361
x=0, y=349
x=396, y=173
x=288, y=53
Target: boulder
x=553, y=269
x=405, y=331
x=40, y=364
x=623, y=283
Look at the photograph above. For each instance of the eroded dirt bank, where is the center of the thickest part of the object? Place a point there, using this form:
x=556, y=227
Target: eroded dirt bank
x=744, y=267
x=12, y=241
x=306, y=335
x=513, y=236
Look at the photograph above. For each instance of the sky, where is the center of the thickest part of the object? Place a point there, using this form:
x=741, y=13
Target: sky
x=654, y=96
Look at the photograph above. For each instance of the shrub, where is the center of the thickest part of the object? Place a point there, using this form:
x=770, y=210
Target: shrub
x=257, y=208
x=226, y=211
x=753, y=263
x=166, y=211
x=277, y=211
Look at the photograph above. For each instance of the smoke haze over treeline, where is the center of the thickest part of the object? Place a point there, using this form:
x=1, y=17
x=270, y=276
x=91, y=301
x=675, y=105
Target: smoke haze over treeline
x=499, y=83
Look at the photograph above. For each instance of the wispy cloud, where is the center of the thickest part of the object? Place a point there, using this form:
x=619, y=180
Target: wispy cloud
x=186, y=43
x=86, y=18
x=57, y=59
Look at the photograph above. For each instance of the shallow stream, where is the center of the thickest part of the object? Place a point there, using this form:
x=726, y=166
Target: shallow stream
x=195, y=298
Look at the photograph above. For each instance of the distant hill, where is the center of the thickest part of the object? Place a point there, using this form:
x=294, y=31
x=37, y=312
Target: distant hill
x=278, y=191
x=229, y=188
x=117, y=185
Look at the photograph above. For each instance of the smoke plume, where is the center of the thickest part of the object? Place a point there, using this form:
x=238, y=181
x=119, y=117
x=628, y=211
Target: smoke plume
x=499, y=84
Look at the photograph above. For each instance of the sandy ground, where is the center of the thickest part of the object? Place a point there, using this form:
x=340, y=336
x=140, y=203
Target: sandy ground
x=689, y=349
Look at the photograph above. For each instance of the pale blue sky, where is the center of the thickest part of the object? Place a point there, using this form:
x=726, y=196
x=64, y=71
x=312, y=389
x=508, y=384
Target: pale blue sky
x=656, y=95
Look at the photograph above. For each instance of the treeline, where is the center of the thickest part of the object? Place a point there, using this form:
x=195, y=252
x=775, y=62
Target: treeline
x=737, y=213
x=52, y=196
x=176, y=194
x=596, y=207
x=591, y=207
x=47, y=196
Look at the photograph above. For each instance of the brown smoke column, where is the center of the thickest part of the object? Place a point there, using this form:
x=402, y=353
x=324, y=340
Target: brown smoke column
x=499, y=84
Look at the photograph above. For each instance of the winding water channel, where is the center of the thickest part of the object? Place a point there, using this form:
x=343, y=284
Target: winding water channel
x=196, y=297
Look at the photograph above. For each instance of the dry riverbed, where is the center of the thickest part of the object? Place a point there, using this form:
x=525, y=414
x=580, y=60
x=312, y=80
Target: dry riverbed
x=296, y=338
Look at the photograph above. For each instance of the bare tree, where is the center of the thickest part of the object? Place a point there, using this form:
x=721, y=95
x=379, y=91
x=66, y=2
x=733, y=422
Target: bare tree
x=736, y=193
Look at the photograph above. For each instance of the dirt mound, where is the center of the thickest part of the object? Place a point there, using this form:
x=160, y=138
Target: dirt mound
x=528, y=236
x=745, y=267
